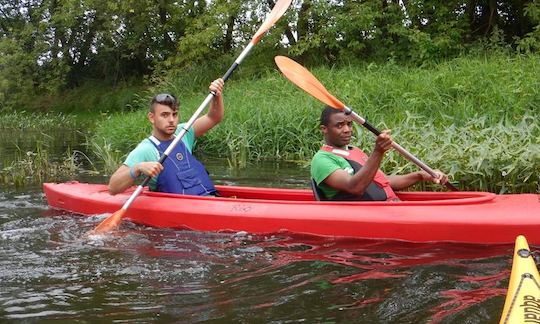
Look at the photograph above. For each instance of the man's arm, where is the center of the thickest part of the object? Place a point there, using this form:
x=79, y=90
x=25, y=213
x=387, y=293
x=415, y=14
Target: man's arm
x=120, y=180
x=215, y=112
x=358, y=183
x=125, y=176
x=399, y=182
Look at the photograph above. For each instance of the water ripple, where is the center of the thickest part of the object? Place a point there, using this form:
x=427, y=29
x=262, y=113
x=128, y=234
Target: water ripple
x=49, y=270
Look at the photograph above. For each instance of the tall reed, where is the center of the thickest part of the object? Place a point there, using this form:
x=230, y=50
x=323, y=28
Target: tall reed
x=471, y=117
x=36, y=167
x=18, y=120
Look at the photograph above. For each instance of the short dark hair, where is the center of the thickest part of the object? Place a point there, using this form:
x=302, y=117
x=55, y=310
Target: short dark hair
x=326, y=113
x=164, y=99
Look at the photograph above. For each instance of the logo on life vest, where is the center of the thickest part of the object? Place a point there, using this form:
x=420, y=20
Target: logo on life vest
x=179, y=156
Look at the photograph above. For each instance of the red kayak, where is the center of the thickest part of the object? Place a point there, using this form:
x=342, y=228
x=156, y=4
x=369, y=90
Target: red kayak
x=474, y=217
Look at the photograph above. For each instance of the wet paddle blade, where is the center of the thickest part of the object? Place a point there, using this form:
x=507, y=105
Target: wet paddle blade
x=110, y=223
x=300, y=76
x=279, y=9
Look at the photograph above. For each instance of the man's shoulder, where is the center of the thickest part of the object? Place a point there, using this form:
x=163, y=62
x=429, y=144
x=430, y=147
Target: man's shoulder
x=323, y=164
x=189, y=137
x=145, y=145
x=324, y=160
x=321, y=153
x=144, y=152
x=324, y=155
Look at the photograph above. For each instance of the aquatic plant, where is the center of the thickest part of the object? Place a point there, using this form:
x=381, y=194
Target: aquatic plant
x=500, y=158
x=36, y=167
x=108, y=157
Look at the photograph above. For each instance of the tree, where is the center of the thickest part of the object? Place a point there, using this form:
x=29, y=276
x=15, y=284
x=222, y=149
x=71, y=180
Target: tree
x=50, y=45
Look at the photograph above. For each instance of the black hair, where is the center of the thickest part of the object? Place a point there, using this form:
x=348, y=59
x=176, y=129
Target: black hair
x=164, y=99
x=326, y=113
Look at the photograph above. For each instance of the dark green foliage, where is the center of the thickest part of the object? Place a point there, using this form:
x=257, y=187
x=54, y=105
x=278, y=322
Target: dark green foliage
x=47, y=46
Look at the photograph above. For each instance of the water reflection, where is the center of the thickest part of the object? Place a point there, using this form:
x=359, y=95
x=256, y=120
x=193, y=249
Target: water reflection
x=261, y=174
x=49, y=271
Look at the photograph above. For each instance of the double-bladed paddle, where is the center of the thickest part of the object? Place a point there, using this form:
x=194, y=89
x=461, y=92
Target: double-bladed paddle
x=300, y=76
x=115, y=219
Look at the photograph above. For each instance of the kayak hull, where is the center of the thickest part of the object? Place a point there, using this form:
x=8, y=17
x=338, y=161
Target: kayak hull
x=474, y=217
x=522, y=304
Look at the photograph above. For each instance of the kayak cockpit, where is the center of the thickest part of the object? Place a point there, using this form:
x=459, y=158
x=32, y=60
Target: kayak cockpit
x=303, y=195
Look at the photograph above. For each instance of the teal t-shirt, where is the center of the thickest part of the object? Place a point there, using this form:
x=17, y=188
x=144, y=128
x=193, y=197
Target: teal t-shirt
x=324, y=164
x=147, y=152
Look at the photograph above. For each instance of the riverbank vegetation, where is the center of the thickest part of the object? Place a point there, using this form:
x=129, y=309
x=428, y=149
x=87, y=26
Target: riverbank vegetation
x=37, y=166
x=48, y=47
x=474, y=118
x=24, y=120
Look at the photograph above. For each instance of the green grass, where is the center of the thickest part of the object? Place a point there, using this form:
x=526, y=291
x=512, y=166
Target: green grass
x=472, y=117
x=92, y=97
x=18, y=120
x=497, y=158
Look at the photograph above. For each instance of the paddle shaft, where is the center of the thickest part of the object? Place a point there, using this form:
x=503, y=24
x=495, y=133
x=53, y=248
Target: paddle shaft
x=408, y=155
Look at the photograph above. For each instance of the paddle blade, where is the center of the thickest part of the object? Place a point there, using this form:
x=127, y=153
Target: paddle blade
x=110, y=223
x=279, y=9
x=300, y=76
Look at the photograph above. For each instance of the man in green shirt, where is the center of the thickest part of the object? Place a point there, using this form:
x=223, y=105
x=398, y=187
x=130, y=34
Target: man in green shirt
x=342, y=172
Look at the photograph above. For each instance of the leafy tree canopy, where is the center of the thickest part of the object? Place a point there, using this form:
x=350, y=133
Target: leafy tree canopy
x=47, y=46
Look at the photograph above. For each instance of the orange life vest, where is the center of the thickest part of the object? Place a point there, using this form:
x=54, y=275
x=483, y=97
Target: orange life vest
x=355, y=155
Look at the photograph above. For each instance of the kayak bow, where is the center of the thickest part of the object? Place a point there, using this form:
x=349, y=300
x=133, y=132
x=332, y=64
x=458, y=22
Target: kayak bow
x=522, y=304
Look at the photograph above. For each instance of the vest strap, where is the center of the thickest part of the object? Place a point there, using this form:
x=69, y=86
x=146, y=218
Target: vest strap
x=182, y=172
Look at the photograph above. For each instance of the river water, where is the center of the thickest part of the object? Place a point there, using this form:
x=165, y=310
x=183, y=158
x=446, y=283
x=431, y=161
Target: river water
x=50, y=272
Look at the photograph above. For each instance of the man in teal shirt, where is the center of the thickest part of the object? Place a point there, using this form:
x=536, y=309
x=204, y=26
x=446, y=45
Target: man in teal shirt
x=143, y=160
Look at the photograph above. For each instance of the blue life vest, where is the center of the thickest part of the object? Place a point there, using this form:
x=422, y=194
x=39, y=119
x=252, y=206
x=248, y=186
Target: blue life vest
x=182, y=172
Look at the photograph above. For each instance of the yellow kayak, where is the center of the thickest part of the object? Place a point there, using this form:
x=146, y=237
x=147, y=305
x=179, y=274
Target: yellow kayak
x=522, y=304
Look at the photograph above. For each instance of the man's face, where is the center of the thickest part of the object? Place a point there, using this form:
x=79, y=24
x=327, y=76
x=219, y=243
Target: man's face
x=339, y=130
x=164, y=120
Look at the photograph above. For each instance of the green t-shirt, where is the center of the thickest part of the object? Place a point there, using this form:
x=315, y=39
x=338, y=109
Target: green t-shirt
x=324, y=164
x=146, y=151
